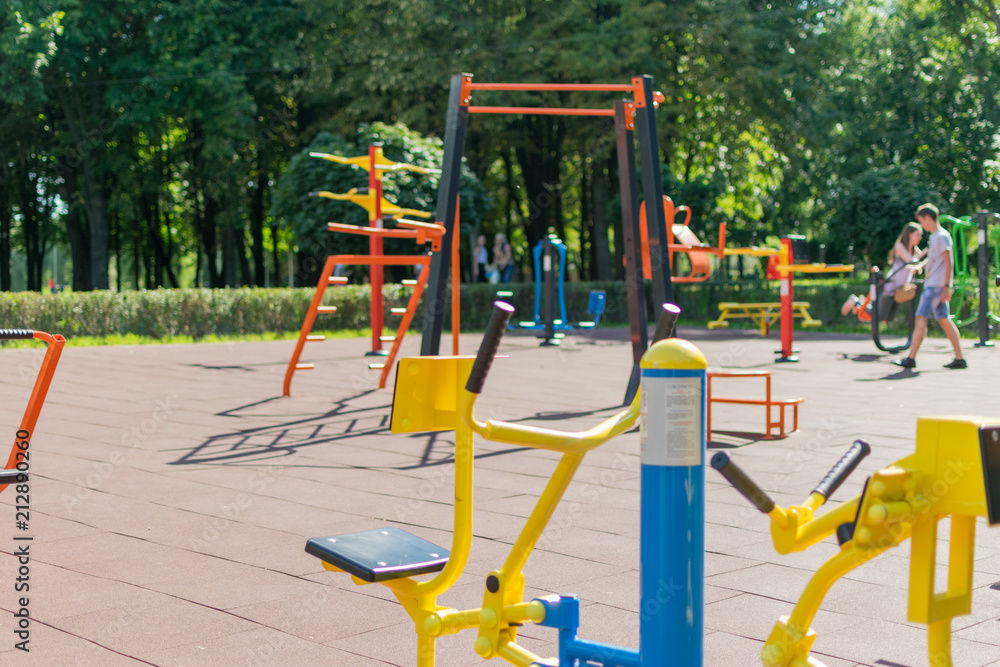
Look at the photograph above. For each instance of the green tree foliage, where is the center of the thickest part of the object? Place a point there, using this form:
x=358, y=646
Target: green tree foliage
x=875, y=207
x=296, y=205
x=164, y=141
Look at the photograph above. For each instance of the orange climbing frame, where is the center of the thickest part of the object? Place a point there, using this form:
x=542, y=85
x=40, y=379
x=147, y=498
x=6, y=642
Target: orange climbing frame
x=18, y=459
x=420, y=232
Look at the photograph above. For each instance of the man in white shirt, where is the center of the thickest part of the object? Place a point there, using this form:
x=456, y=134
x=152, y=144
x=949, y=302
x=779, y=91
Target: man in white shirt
x=938, y=282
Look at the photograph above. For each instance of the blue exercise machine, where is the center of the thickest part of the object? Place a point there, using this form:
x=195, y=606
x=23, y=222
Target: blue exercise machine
x=550, y=293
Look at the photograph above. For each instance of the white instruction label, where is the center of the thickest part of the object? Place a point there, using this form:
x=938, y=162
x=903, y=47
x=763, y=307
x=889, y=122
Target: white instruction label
x=670, y=424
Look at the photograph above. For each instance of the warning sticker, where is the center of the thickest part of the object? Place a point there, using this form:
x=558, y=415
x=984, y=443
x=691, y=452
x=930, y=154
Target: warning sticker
x=670, y=425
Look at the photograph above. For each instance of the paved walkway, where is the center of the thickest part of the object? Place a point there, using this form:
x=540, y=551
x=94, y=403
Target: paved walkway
x=173, y=491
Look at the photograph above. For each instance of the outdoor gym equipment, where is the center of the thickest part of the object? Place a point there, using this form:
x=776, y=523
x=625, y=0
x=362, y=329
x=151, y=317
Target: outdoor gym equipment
x=379, y=208
x=680, y=239
x=550, y=291
x=634, y=120
x=671, y=409
x=782, y=265
x=954, y=473
x=964, y=284
x=878, y=301
x=16, y=469
x=783, y=270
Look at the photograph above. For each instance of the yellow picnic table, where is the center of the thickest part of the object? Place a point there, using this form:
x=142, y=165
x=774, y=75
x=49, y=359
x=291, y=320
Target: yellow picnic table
x=763, y=314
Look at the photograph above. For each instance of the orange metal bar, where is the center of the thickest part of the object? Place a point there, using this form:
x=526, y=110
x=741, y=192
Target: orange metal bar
x=404, y=324
x=37, y=400
x=382, y=260
x=456, y=282
x=419, y=232
x=544, y=111
x=596, y=87
x=768, y=402
x=307, y=324
x=375, y=247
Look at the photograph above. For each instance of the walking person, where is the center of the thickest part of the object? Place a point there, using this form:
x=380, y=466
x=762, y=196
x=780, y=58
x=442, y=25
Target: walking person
x=938, y=283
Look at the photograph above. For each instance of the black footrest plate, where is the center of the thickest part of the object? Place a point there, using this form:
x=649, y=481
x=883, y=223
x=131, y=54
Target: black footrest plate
x=379, y=555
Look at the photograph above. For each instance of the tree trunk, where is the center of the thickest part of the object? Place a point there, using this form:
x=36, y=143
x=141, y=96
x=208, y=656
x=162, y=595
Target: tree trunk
x=229, y=259
x=5, y=222
x=95, y=201
x=539, y=155
x=601, y=251
x=257, y=191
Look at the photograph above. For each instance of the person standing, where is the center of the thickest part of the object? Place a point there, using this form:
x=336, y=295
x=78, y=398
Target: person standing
x=482, y=260
x=503, y=258
x=938, y=283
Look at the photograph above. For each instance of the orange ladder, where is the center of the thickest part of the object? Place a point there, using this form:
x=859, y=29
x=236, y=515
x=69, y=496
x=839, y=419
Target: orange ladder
x=421, y=233
x=16, y=469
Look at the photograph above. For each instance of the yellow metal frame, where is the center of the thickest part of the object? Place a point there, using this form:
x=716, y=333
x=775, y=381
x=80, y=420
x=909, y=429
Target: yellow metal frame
x=944, y=478
x=429, y=396
x=763, y=314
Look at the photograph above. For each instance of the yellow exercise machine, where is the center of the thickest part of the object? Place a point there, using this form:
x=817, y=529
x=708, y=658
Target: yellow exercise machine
x=955, y=472
x=429, y=397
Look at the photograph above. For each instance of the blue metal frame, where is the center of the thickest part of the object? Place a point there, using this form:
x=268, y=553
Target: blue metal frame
x=562, y=323
x=672, y=549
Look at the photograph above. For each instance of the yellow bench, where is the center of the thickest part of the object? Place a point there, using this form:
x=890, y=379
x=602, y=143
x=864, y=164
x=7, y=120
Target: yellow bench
x=763, y=314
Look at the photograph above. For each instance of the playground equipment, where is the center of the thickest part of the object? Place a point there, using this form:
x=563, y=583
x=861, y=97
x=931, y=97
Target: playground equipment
x=782, y=264
x=878, y=307
x=670, y=409
x=680, y=239
x=965, y=285
x=783, y=270
x=16, y=469
x=954, y=473
x=550, y=289
x=764, y=314
x=634, y=120
x=379, y=208
x=767, y=403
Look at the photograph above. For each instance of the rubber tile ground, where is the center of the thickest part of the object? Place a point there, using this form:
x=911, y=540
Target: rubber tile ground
x=173, y=489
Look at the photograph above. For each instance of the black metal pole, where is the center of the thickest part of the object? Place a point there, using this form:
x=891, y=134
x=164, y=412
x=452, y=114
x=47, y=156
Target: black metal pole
x=634, y=283
x=984, y=289
x=435, y=300
x=652, y=193
x=549, y=262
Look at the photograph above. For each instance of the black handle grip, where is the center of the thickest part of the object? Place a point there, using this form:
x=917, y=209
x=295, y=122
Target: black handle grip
x=16, y=334
x=844, y=467
x=488, y=348
x=998, y=281
x=13, y=477
x=665, y=324
x=742, y=483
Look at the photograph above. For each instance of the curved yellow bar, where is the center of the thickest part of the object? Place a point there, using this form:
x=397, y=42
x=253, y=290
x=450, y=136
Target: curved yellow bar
x=381, y=163
x=753, y=251
x=815, y=268
x=367, y=202
x=543, y=438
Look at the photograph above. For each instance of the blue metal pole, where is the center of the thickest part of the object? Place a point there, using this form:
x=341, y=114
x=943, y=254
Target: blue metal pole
x=672, y=541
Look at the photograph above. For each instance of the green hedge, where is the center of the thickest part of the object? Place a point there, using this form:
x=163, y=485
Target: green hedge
x=240, y=311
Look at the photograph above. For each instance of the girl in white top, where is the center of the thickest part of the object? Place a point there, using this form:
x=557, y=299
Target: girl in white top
x=904, y=252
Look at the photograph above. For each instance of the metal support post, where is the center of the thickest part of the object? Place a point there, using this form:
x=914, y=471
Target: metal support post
x=634, y=283
x=984, y=290
x=672, y=505
x=435, y=302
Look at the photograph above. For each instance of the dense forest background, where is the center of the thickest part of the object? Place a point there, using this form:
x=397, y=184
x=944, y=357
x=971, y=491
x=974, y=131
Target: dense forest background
x=165, y=143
